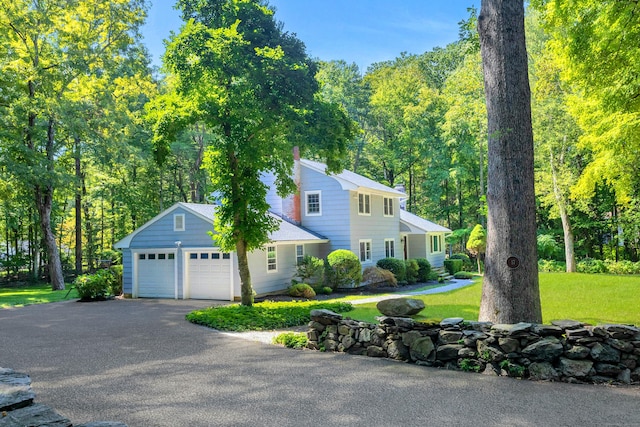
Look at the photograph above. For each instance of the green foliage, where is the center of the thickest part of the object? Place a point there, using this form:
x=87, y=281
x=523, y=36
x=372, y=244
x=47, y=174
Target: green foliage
x=394, y=265
x=411, y=270
x=325, y=290
x=424, y=270
x=292, y=340
x=590, y=265
x=301, y=290
x=623, y=267
x=344, y=269
x=477, y=242
x=376, y=277
x=463, y=275
x=262, y=316
x=453, y=265
x=310, y=270
x=469, y=365
x=551, y=266
x=35, y=294
x=467, y=264
x=513, y=369
x=548, y=248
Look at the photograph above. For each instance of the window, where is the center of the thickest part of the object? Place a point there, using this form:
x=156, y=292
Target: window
x=436, y=244
x=226, y=256
x=193, y=256
x=142, y=256
x=204, y=255
x=390, y=248
x=272, y=259
x=365, y=250
x=152, y=256
x=215, y=255
x=299, y=254
x=178, y=222
x=364, y=204
x=171, y=256
x=388, y=206
x=313, y=205
x=162, y=256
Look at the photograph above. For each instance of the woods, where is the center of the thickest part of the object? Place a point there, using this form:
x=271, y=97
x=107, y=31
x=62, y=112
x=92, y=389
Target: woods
x=94, y=142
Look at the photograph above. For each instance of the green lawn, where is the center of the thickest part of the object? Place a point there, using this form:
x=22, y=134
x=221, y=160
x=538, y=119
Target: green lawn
x=589, y=298
x=39, y=294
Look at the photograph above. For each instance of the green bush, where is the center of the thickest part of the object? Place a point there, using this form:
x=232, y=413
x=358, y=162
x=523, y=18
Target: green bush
x=296, y=340
x=424, y=269
x=453, y=265
x=467, y=263
x=411, y=270
x=115, y=279
x=463, y=275
x=302, y=290
x=311, y=270
x=590, y=265
x=394, y=265
x=623, y=267
x=326, y=290
x=92, y=286
x=376, y=277
x=547, y=246
x=551, y=266
x=344, y=269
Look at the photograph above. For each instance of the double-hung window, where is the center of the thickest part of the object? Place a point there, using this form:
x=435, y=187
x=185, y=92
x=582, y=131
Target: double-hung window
x=390, y=248
x=313, y=203
x=388, y=206
x=272, y=259
x=299, y=254
x=436, y=244
x=178, y=222
x=365, y=250
x=364, y=204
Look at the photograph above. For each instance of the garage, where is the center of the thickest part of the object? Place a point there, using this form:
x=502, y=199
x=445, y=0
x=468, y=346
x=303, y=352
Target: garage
x=156, y=275
x=209, y=275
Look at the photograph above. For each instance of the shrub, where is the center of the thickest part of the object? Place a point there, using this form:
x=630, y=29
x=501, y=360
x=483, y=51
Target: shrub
x=424, y=268
x=463, y=275
x=547, y=246
x=311, y=270
x=394, y=265
x=376, y=277
x=590, y=265
x=453, y=265
x=115, y=279
x=302, y=290
x=467, y=264
x=344, y=269
x=92, y=286
x=325, y=290
x=291, y=340
x=411, y=269
x=623, y=267
x=551, y=266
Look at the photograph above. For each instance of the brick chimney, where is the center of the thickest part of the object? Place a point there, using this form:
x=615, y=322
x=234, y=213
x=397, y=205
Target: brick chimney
x=291, y=205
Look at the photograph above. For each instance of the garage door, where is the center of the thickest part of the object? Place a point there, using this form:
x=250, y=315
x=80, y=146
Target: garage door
x=156, y=275
x=209, y=275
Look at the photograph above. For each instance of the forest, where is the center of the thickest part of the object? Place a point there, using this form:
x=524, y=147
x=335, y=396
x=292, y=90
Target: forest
x=94, y=141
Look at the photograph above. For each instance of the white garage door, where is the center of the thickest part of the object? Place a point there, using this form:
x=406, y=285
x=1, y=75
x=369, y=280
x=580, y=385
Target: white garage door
x=209, y=275
x=156, y=275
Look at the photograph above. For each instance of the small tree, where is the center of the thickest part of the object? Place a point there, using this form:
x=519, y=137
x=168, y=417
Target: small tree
x=477, y=243
x=344, y=269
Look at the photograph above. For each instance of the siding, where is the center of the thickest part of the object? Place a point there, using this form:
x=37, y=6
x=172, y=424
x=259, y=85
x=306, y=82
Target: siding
x=127, y=272
x=417, y=246
x=265, y=282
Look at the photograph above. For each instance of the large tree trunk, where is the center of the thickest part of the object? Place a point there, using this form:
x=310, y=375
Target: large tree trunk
x=246, y=289
x=78, y=209
x=510, y=291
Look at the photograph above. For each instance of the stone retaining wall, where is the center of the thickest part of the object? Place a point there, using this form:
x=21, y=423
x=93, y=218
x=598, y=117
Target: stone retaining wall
x=567, y=350
x=17, y=407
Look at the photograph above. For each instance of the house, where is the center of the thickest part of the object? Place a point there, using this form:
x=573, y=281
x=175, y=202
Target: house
x=172, y=255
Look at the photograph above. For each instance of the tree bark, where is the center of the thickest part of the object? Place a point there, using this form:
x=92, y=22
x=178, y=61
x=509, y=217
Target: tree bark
x=510, y=291
x=78, y=209
x=246, y=289
x=569, y=250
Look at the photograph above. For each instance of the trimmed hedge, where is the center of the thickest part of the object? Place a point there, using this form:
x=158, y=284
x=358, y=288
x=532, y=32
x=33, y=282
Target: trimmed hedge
x=453, y=265
x=424, y=269
x=394, y=265
x=343, y=269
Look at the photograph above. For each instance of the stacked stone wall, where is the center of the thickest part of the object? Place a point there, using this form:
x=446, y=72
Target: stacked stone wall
x=566, y=350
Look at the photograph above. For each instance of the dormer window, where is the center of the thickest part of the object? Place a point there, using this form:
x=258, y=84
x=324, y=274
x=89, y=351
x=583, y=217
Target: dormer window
x=178, y=222
x=364, y=204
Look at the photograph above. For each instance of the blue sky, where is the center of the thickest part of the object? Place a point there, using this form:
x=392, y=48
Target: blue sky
x=360, y=31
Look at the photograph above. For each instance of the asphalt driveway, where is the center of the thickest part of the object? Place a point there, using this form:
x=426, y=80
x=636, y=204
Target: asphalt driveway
x=140, y=362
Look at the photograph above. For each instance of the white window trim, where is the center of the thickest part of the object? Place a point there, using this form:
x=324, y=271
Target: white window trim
x=365, y=196
x=439, y=243
x=275, y=251
x=388, y=202
x=392, y=255
x=296, y=253
x=175, y=222
x=306, y=203
x=366, y=260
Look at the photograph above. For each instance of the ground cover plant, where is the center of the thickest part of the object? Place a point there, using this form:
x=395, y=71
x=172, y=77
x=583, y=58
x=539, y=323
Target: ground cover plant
x=35, y=294
x=262, y=316
x=589, y=298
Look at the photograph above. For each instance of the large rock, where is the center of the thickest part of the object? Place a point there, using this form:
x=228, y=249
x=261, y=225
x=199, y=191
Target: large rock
x=422, y=349
x=325, y=317
x=604, y=353
x=542, y=371
x=544, y=350
x=400, y=307
x=15, y=390
x=34, y=415
x=574, y=368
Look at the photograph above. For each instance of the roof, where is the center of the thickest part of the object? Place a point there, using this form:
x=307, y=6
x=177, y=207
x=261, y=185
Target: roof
x=351, y=180
x=287, y=232
x=416, y=224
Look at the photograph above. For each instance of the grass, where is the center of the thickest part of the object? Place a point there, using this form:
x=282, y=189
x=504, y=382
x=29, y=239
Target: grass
x=262, y=316
x=37, y=294
x=588, y=298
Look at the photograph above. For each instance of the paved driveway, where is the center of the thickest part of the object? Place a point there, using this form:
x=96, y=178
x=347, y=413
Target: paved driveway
x=140, y=362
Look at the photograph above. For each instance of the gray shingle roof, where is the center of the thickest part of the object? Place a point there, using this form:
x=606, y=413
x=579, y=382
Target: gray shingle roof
x=414, y=221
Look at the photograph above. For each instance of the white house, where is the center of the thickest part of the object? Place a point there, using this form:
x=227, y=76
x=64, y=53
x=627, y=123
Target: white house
x=172, y=255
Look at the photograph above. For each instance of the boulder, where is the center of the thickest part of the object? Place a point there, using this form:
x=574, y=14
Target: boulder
x=545, y=350
x=422, y=349
x=575, y=368
x=604, y=353
x=400, y=307
x=325, y=317
x=542, y=371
